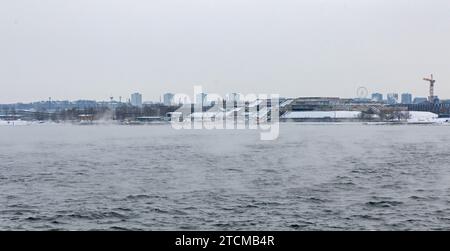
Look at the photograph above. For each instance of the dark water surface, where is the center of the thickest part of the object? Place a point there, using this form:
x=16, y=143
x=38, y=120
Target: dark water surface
x=314, y=177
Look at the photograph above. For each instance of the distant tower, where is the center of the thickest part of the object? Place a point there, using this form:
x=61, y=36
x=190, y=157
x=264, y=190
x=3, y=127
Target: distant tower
x=431, y=80
x=406, y=98
x=136, y=99
x=168, y=99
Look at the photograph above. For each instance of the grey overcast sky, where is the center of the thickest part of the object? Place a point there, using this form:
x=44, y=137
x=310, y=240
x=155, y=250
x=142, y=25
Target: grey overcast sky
x=91, y=49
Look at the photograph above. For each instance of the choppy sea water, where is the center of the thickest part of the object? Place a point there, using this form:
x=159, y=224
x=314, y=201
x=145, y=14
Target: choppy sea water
x=314, y=177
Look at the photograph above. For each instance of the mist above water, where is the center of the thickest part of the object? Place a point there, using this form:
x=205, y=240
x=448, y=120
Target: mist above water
x=156, y=178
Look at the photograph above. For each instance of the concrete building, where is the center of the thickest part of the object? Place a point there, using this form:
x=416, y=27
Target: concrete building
x=136, y=99
x=420, y=100
x=168, y=99
x=392, y=98
x=434, y=100
x=406, y=98
x=377, y=97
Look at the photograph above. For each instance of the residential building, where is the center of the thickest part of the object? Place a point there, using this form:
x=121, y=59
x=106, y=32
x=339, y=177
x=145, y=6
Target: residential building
x=406, y=98
x=420, y=100
x=392, y=98
x=136, y=99
x=377, y=97
x=168, y=99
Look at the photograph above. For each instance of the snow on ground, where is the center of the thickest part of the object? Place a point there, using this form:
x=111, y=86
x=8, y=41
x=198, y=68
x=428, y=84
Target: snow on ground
x=415, y=117
x=422, y=117
x=14, y=122
x=24, y=123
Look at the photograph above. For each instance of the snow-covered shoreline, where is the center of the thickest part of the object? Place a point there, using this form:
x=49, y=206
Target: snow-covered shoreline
x=14, y=122
x=24, y=123
x=415, y=118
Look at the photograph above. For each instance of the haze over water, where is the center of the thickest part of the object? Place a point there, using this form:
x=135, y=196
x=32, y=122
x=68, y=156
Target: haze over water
x=314, y=177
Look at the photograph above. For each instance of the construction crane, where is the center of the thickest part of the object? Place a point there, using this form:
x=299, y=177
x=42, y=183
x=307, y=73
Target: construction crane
x=431, y=81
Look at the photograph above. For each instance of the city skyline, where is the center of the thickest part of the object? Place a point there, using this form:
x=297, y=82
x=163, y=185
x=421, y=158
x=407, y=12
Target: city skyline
x=95, y=49
x=159, y=97
x=137, y=98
